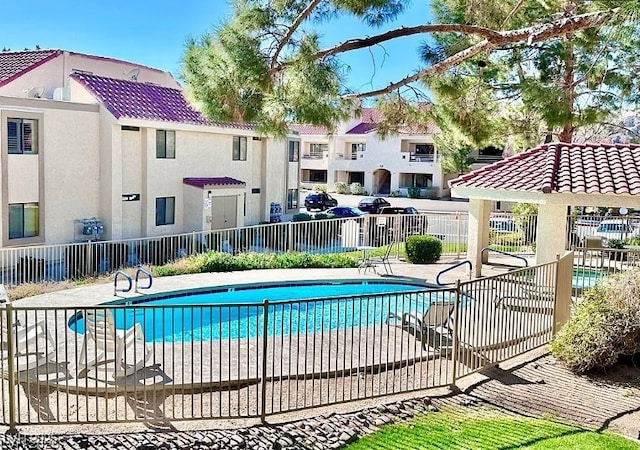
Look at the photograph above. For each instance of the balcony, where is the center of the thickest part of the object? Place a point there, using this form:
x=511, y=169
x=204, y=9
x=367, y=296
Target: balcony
x=318, y=161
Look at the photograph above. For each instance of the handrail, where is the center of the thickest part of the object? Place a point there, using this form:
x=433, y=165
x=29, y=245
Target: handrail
x=466, y=261
x=148, y=274
x=486, y=249
x=115, y=282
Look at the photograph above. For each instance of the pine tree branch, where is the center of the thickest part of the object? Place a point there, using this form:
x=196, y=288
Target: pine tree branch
x=292, y=29
x=532, y=34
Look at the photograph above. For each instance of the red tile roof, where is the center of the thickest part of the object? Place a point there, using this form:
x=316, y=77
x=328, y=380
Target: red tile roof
x=215, y=181
x=14, y=64
x=588, y=168
x=308, y=129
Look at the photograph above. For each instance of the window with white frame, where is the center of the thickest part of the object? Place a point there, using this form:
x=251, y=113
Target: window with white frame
x=358, y=147
x=24, y=220
x=294, y=151
x=165, y=144
x=292, y=199
x=22, y=136
x=239, y=148
x=165, y=210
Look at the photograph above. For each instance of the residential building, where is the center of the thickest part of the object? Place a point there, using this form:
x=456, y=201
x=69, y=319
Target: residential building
x=86, y=139
x=356, y=154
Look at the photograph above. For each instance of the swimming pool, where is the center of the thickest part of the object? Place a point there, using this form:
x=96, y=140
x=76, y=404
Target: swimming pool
x=584, y=278
x=295, y=308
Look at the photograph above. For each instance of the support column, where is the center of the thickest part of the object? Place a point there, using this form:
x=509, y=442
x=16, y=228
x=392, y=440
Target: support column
x=478, y=233
x=551, y=233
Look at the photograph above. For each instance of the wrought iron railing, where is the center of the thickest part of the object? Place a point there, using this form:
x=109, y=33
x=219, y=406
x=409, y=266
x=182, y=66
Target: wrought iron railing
x=169, y=361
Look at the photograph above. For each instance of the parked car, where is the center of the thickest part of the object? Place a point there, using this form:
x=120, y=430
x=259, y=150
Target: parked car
x=344, y=211
x=320, y=201
x=502, y=225
x=616, y=229
x=387, y=229
x=373, y=204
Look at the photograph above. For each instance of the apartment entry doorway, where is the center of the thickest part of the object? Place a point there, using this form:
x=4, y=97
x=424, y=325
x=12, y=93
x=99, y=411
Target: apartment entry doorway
x=381, y=182
x=224, y=212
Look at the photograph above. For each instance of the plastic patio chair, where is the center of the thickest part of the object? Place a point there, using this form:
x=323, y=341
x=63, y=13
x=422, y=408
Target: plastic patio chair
x=384, y=260
x=129, y=349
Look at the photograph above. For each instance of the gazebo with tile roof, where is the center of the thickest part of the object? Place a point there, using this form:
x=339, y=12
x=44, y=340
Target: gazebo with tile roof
x=554, y=176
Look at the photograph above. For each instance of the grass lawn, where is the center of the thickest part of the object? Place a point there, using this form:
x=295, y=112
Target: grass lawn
x=487, y=428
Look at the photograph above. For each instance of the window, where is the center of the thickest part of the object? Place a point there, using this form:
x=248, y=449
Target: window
x=318, y=176
x=165, y=144
x=358, y=147
x=239, y=148
x=422, y=180
x=425, y=149
x=22, y=136
x=316, y=151
x=294, y=151
x=292, y=199
x=165, y=210
x=24, y=220
x=356, y=177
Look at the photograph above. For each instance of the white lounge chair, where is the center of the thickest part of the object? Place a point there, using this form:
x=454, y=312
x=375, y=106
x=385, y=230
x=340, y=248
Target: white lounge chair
x=433, y=323
x=32, y=344
x=129, y=349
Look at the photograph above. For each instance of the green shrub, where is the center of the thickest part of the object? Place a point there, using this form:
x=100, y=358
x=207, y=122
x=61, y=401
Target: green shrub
x=604, y=326
x=322, y=215
x=633, y=241
x=301, y=217
x=413, y=192
x=225, y=262
x=356, y=188
x=341, y=187
x=423, y=249
x=615, y=243
x=508, y=239
x=320, y=187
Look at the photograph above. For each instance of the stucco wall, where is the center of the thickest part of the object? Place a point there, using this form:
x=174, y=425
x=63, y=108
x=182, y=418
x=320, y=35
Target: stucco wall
x=131, y=182
x=64, y=176
x=277, y=157
x=379, y=154
x=55, y=73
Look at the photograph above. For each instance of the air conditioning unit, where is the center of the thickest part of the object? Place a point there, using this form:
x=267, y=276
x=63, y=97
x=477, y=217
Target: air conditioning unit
x=61, y=94
x=35, y=92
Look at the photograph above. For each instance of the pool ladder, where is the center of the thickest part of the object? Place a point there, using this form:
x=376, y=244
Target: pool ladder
x=130, y=286
x=461, y=263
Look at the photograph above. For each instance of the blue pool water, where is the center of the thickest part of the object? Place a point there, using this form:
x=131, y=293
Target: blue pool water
x=585, y=278
x=238, y=312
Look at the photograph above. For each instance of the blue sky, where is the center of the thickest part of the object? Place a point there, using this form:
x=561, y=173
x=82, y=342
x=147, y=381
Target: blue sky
x=153, y=33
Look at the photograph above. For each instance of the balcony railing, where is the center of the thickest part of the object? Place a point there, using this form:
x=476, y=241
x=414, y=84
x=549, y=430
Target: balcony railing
x=413, y=157
x=313, y=156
